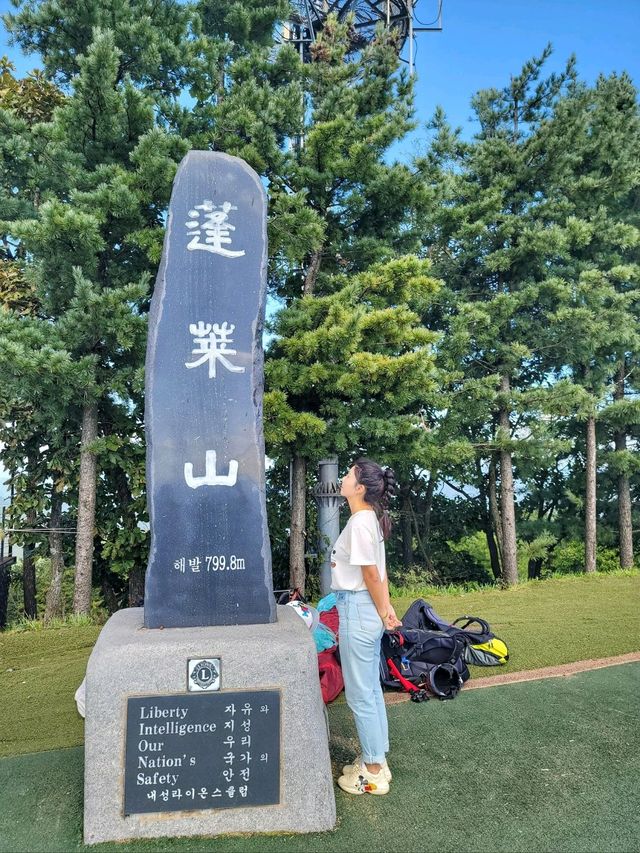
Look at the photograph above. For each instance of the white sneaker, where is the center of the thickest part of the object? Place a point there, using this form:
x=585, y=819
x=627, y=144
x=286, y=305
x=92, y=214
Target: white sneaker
x=357, y=762
x=363, y=781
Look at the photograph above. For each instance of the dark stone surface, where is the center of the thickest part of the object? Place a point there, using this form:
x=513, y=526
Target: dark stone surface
x=214, y=751
x=210, y=557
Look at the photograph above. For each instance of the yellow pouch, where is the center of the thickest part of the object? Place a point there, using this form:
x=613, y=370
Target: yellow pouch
x=492, y=653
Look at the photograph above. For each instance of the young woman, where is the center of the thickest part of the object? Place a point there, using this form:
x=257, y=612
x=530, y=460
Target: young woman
x=359, y=579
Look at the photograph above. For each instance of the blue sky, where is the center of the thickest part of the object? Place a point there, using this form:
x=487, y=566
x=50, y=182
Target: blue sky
x=483, y=42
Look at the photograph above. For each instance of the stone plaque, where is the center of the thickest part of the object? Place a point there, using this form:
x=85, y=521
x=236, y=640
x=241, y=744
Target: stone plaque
x=196, y=751
x=210, y=555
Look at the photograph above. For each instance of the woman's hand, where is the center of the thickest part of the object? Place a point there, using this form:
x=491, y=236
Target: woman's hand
x=390, y=620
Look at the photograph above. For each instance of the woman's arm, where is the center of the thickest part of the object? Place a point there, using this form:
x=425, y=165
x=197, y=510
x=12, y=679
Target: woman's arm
x=379, y=592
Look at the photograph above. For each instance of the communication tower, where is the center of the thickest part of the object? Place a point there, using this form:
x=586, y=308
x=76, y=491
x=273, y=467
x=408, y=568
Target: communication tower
x=309, y=17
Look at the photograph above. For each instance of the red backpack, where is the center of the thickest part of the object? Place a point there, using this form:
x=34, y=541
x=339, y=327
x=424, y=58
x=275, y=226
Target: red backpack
x=331, y=681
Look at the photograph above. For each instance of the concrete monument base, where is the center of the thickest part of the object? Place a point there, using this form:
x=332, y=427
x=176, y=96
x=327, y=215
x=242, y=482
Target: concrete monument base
x=130, y=661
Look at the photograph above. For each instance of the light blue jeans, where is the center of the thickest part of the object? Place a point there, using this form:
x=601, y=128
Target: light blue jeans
x=360, y=631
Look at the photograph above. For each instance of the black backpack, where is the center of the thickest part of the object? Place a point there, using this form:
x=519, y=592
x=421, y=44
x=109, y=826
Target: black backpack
x=481, y=646
x=423, y=663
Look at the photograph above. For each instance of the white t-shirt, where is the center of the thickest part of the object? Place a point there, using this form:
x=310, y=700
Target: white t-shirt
x=361, y=543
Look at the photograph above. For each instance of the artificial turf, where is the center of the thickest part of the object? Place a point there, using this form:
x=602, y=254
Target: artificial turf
x=549, y=765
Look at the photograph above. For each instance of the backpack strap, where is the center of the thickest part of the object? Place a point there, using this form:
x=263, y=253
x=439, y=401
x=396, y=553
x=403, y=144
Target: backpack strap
x=470, y=621
x=418, y=694
x=287, y=595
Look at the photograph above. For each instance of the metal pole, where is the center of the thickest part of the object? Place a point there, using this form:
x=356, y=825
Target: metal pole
x=410, y=10
x=328, y=498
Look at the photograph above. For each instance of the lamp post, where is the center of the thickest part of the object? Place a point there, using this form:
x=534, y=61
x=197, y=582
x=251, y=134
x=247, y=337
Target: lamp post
x=327, y=495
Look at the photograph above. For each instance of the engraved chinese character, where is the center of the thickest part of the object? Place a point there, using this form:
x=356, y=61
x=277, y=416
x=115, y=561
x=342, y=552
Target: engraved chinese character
x=215, y=224
x=211, y=477
x=212, y=340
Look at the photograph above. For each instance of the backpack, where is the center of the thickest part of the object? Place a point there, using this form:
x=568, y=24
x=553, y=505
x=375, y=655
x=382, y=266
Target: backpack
x=331, y=681
x=423, y=663
x=482, y=647
x=329, y=669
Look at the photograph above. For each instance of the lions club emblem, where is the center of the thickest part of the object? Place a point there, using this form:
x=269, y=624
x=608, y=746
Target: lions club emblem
x=203, y=674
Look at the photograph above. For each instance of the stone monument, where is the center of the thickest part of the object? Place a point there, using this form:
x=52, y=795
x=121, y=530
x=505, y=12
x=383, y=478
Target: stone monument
x=204, y=713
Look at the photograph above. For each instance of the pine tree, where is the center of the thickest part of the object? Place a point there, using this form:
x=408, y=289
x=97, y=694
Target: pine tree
x=491, y=239
x=536, y=242
x=597, y=320
x=23, y=103
x=318, y=133
x=337, y=206
x=88, y=223
x=102, y=169
x=348, y=371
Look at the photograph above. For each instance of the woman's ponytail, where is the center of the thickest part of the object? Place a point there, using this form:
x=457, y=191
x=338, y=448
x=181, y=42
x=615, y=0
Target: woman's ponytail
x=380, y=485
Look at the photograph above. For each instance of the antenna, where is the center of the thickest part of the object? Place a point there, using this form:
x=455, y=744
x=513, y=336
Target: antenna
x=309, y=17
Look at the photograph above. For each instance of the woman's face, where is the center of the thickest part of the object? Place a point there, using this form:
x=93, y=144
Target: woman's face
x=349, y=486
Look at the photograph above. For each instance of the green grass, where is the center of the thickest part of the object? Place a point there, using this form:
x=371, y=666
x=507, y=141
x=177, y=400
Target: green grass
x=555, y=621
x=23, y=624
x=544, y=766
x=559, y=620
x=39, y=673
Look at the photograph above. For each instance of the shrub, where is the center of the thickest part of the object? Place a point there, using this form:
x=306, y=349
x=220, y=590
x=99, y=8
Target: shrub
x=568, y=558
x=415, y=577
x=15, y=605
x=464, y=562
